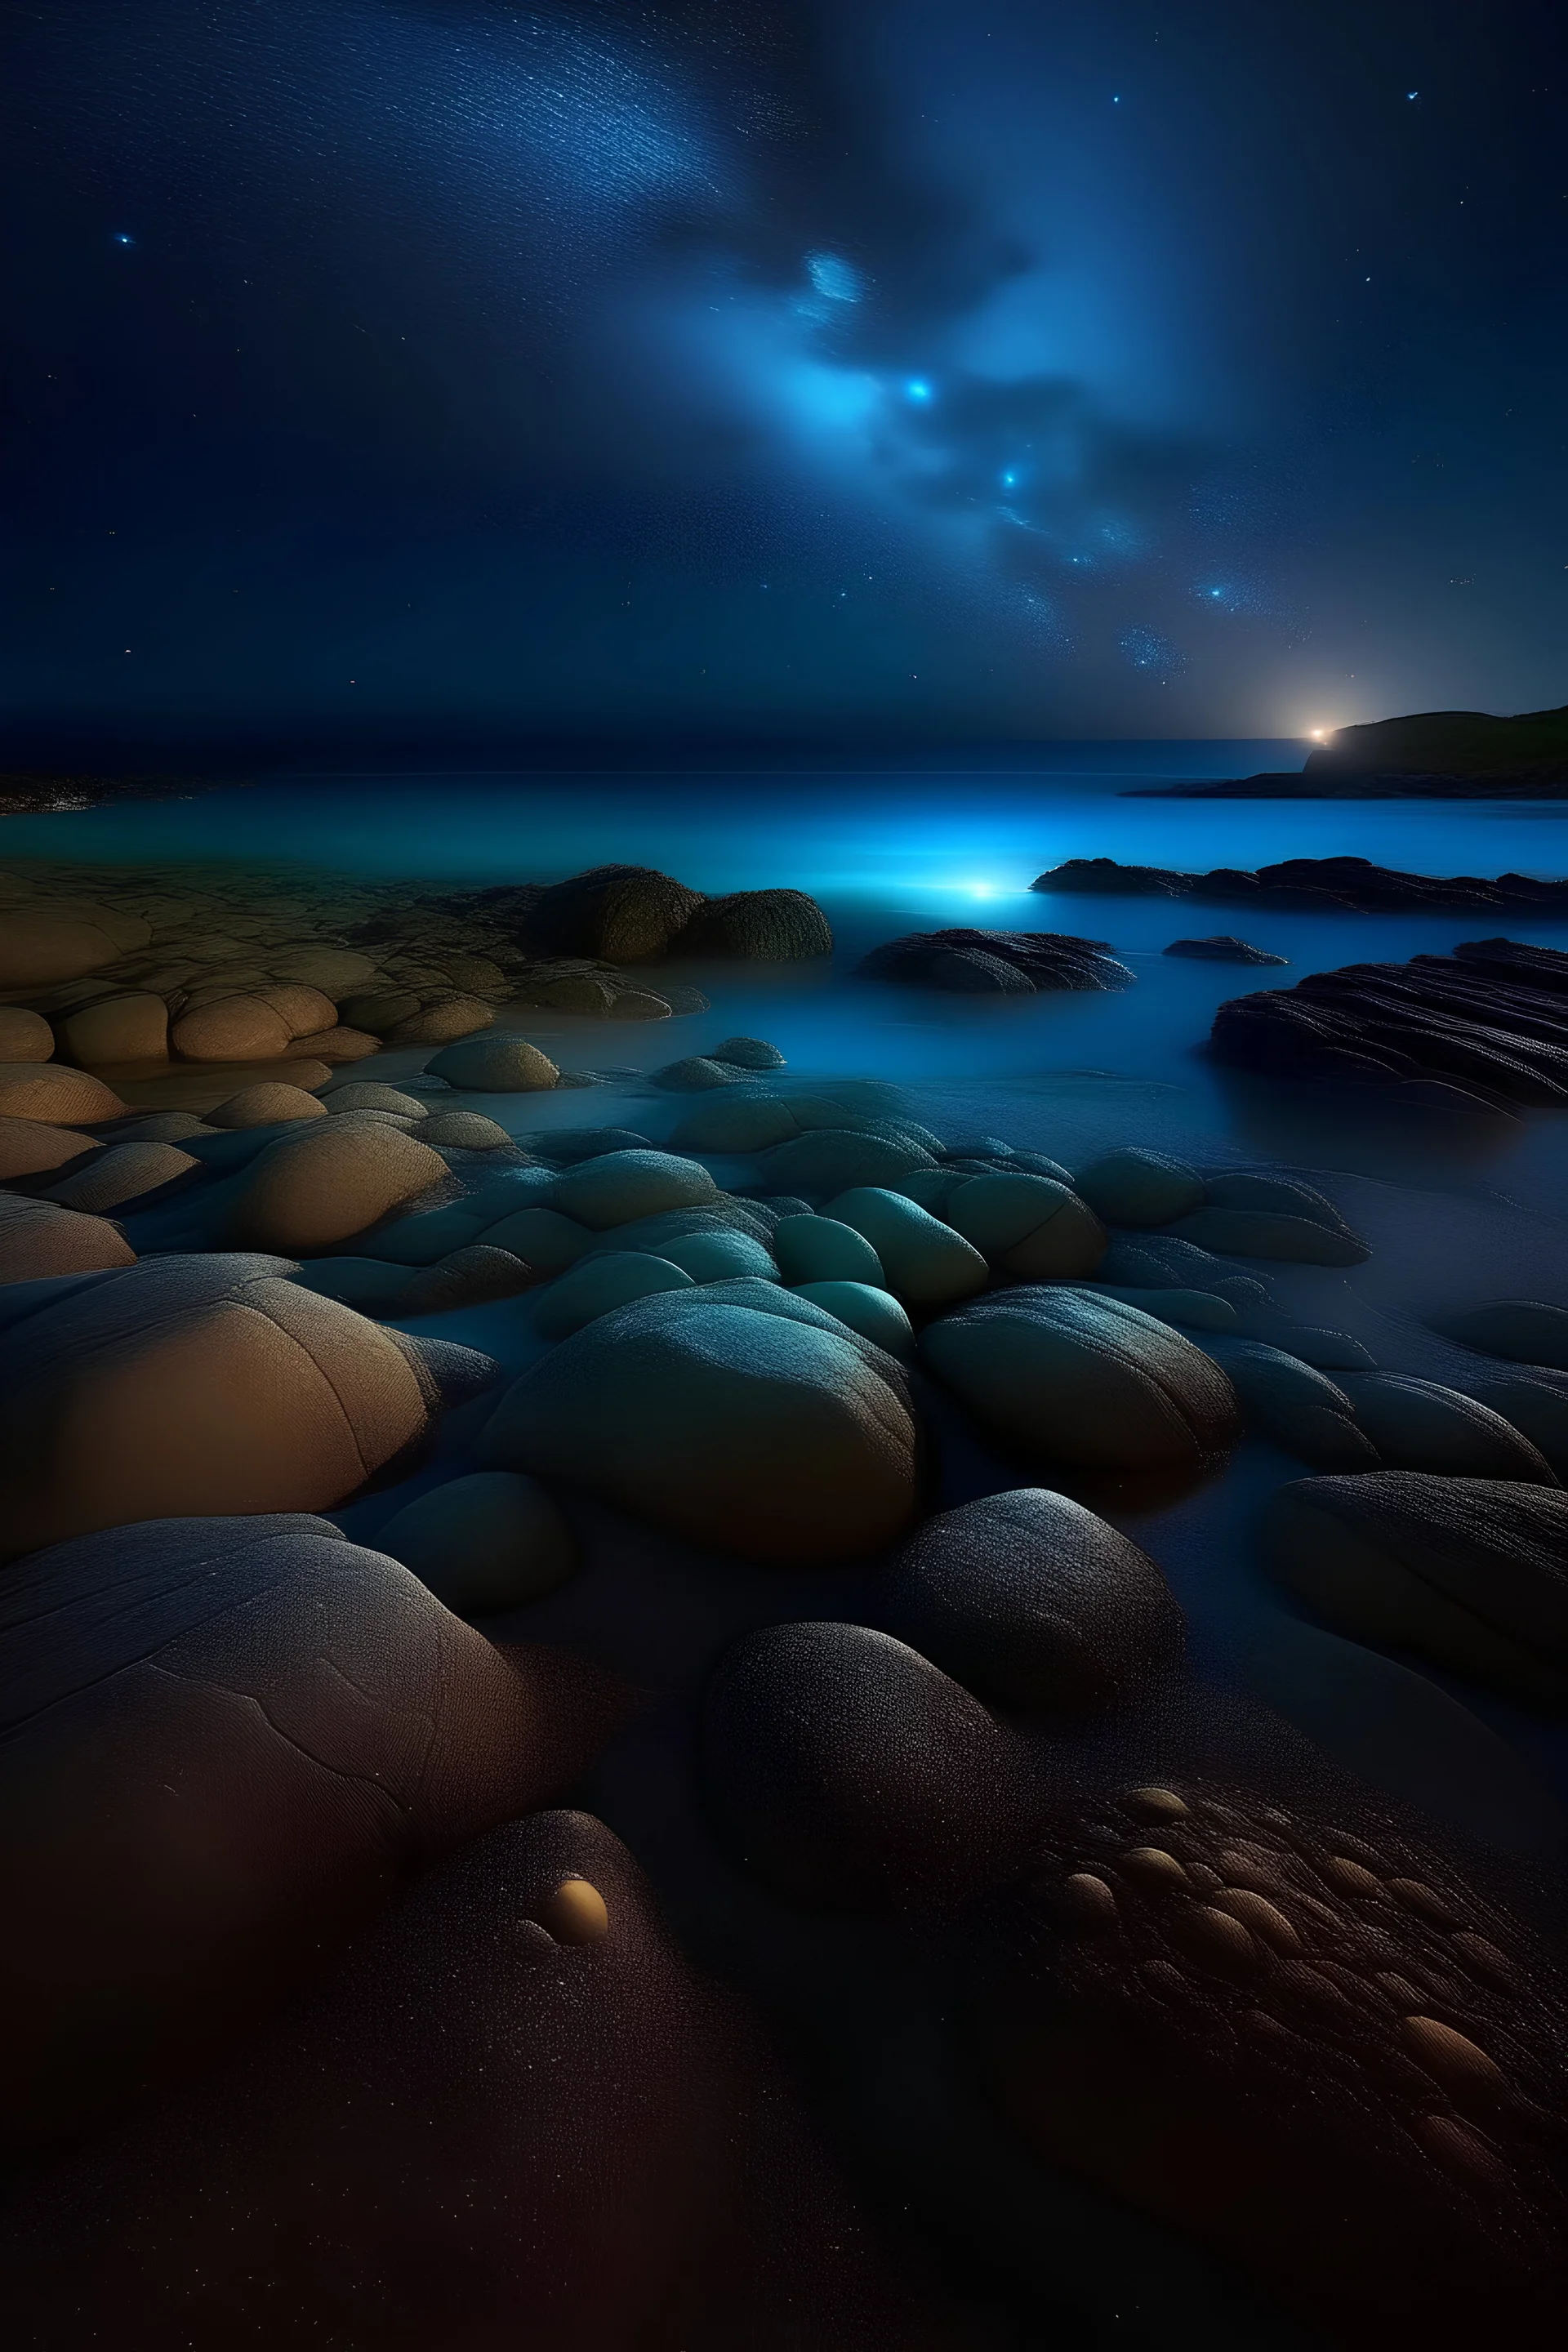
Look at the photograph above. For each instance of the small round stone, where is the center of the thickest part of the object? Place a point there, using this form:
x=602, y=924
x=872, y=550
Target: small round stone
x=1089, y=1903
x=1155, y=1804
x=1349, y=1877
x=1263, y=1919
x=1451, y=2056
x=1417, y=1895
x=1150, y=1866
x=1212, y=1937
x=576, y=1913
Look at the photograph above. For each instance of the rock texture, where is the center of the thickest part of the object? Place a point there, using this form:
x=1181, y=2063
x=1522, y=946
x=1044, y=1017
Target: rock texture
x=997, y=963
x=1308, y=883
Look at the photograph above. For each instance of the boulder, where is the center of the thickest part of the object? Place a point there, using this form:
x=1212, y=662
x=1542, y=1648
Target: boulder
x=497, y=1064
x=1032, y=1602
x=644, y=1004
x=720, y=1256
x=125, y=1172
x=1079, y=1379
x=1223, y=947
x=379, y=1009
x=336, y=972
x=543, y=1238
x=272, y=1103
x=40, y=1239
x=490, y=1541
x=563, y=1146
x=58, y=1097
x=1027, y=1226
x=1295, y=1406
x=625, y=914
x=200, y=1385
x=1521, y=1330
x=130, y=1027
x=834, y=1160
x=257, y=1027
x=332, y=1046
x=30, y=1147
x=1535, y=1400
x=1469, y=1572
x=867, y=1308
x=730, y=1413
x=767, y=926
x=613, y=1189
x=597, y=1285
x=440, y=1023
x=749, y=1053
x=464, y=1130
x=1196, y=1311
x=695, y=1075
x=996, y=963
x=741, y=1123
x=925, y=1263
x=1264, y=1233
x=851, y=1774
x=24, y=1036
x=470, y=1276
x=1420, y=1425
x=325, y=1183
x=1134, y=1186
x=824, y=1249
x=1285, y=1195
x=243, y=1732
x=365, y=1094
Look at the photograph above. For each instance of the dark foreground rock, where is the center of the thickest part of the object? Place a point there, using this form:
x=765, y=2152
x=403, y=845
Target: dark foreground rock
x=1490, y=1021
x=1307, y=884
x=997, y=963
x=1224, y=947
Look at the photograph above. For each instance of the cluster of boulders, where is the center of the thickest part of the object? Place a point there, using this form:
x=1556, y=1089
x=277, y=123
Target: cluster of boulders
x=1486, y=1027
x=1309, y=885
x=997, y=963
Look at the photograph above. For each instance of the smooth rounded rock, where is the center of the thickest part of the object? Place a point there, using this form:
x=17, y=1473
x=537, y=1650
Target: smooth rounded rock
x=734, y=1414
x=1028, y=1227
x=748, y=1054
x=471, y=1275
x=1070, y=1377
x=541, y=1237
x=1298, y=1407
x=440, y=1024
x=831, y=1160
x=129, y=1027
x=328, y=1183
x=463, y=1130
x=24, y=1036
x=39, y=1239
x=620, y=1185
x=125, y=1172
x=1134, y=1186
x=768, y=926
x=365, y=1094
x=191, y=1385
x=743, y=1123
x=695, y=1075
x=1032, y=1602
x=39, y=948
x=490, y=1541
x=31, y=1147
x=923, y=1261
x=1264, y=1233
x=1521, y=1330
x=824, y=1249
x=495, y=1064
x=720, y=1256
x=850, y=1773
x=57, y=1096
x=867, y=1308
x=598, y=1283
x=1421, y=1425
x=270, y=1104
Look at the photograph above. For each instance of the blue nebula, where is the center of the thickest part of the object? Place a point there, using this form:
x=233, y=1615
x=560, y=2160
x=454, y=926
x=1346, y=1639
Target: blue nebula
x=833, y=278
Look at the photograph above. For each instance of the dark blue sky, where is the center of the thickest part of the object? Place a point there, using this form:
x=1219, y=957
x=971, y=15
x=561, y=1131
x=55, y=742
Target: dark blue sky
x=447, y=373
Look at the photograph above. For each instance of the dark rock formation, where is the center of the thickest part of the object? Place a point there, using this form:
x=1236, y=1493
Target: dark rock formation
x=1223, y=947
x=1305, y=884
x=1433, y=755
x=769, y=926
x=1465, y=1020
x=997, y=963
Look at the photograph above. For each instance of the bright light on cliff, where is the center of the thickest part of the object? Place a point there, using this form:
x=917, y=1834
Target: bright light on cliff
x=1317, y=733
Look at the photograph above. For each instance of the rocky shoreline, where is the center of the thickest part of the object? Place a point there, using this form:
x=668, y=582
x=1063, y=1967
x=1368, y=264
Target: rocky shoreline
x=1309, y=885
x=387, y=1468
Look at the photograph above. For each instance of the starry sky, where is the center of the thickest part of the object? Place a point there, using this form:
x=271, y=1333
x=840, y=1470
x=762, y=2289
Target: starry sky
x=432, y=375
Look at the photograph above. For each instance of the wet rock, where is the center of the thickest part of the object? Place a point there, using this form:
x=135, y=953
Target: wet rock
x=1469, y=1572
x=1223, y=947
x=767, y=926
x=57, y=1096
x=831, y=1159
x=1217, y=2010
x=824, y=1249
x=325, y=1183
x=543, y=1238
x=24, y=1036
x=720, y=1256
x=243, y=1732
x=1281, y=1195
x=496, y=1064
x=258, y=1026
x=695, y=1075
x=337, y=971
x=31, y=1147
x=1134, y=1186
x=867, y=1308
x=1032, y=1602
x=440, y=1021
x=1296, y=1406
x=613, y=1188
x=597, y=1285
x=125, y=1172
x=1027, y=1226
x=749, y=1053
x=565, y=1146
x=464, y=1130
x=129, y=1027
x=1420, y=1425
x=191, y=1385
x=850, y=1773
x=731, y=1414
x=1521, y=1330
x=40, y=1239
x=491, y=1541
x=1074, y=1378
x=924, y=1262
x=997, y=963
x=625, y=914
x=271, y=1104
x=470, y=1276
x=1264, y=1233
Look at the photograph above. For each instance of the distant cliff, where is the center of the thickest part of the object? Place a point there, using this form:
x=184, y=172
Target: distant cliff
x=1433, y=755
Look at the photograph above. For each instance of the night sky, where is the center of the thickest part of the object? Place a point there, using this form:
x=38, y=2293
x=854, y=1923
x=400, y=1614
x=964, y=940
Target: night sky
x=441, y=373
